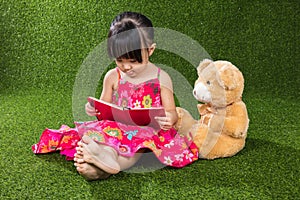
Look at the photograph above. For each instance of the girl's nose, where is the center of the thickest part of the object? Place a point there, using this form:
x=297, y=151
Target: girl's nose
x=127, y=66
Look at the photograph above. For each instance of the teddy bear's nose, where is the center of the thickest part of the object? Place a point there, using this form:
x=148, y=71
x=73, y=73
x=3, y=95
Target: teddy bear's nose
x=194, y=91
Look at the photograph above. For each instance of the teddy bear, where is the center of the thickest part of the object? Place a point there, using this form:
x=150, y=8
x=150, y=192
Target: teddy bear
x=222, y=128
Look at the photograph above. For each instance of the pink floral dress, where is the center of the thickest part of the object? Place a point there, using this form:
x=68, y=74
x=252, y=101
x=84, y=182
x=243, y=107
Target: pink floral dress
x=169, y=147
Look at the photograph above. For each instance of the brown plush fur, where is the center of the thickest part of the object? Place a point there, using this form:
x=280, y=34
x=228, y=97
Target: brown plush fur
x=222, y=128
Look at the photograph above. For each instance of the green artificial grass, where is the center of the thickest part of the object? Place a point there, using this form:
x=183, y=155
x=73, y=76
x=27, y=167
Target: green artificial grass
x=44, y=43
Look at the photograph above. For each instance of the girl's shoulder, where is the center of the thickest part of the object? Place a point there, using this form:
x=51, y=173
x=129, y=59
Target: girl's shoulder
x=112, y=74
x=111, y=78
x=165, y=79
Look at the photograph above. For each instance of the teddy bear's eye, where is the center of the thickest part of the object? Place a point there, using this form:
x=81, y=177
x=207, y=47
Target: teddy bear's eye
x=208, y=82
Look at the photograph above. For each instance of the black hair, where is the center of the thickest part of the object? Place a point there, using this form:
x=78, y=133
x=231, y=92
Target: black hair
x=129, y=33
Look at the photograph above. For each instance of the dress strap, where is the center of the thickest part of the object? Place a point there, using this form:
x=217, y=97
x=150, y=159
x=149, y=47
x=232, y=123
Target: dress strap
x=158, y=73
x=119, y=75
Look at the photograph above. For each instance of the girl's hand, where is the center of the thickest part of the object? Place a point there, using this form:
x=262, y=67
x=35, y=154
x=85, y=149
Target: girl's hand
x=90, y=110
x=165, y=123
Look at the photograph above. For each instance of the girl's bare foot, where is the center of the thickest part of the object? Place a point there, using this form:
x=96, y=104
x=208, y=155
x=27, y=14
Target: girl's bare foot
x=101, y=156
x=89, y=171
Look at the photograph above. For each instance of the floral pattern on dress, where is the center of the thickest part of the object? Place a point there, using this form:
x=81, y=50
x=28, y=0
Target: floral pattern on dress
x=64, y=140
x=169, y=147
x=114, y=132
x=147, y=101
x=96, y=135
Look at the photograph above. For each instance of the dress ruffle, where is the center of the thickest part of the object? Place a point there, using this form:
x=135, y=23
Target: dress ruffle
x=169, y=147
x=64, y=140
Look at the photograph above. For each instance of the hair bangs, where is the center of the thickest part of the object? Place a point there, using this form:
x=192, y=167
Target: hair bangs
x=126, y=45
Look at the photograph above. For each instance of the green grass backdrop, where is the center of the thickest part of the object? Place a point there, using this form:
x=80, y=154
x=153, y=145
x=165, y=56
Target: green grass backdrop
x=43, y=44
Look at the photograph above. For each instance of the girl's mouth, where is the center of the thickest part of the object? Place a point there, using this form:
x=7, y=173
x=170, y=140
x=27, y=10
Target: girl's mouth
x=130, y=72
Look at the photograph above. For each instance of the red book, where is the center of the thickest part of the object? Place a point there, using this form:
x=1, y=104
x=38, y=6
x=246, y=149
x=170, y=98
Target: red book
x=125, y=115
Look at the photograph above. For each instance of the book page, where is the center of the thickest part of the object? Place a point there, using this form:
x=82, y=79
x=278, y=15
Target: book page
x=128, y=116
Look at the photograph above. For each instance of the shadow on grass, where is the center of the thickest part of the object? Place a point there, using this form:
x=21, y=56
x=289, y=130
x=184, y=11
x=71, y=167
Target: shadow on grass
x=261, y=170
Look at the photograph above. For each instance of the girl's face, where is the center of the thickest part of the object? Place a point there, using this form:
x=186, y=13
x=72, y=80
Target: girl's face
x=131, y=67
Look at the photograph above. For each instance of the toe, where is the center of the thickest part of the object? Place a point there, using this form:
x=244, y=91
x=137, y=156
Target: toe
x=78, y=150
x=79, y=143
x=80, y=170
x=80, y=160
x=86, y=139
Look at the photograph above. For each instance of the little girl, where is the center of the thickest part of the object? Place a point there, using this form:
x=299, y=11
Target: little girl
x=108, y=147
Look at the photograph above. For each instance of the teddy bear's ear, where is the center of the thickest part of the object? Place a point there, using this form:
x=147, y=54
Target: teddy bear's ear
x=228, y=77
x=203, y=64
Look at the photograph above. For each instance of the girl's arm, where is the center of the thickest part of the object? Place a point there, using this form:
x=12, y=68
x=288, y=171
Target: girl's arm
x=109, y=83
x=167, y=102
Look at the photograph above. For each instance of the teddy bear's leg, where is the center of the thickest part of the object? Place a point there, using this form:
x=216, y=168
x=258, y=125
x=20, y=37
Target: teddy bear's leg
x=215, y=145
x=209, y=145
x=185, y=122
x=199, y=138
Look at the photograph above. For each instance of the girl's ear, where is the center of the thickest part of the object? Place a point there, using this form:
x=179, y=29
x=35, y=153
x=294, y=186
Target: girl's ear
x=151, y=49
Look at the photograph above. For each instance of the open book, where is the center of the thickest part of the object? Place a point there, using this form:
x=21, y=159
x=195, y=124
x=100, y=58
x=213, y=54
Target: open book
x=125, y=115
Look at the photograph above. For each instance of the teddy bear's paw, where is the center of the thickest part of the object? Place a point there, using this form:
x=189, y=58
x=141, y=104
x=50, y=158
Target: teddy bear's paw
x=239, y=134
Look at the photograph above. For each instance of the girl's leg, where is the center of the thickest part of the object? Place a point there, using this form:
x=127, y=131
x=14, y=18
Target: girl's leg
x=89, y=171
x=102, y=156
x=127, y=162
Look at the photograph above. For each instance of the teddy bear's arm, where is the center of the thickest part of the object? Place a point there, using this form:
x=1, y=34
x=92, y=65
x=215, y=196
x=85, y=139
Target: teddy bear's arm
x=236, y=122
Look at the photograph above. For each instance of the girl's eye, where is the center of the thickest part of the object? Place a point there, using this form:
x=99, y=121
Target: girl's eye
x=208, y=82
x=131, y=61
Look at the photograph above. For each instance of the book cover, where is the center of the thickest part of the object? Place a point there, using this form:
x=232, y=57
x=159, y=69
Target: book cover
x=125, y=115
